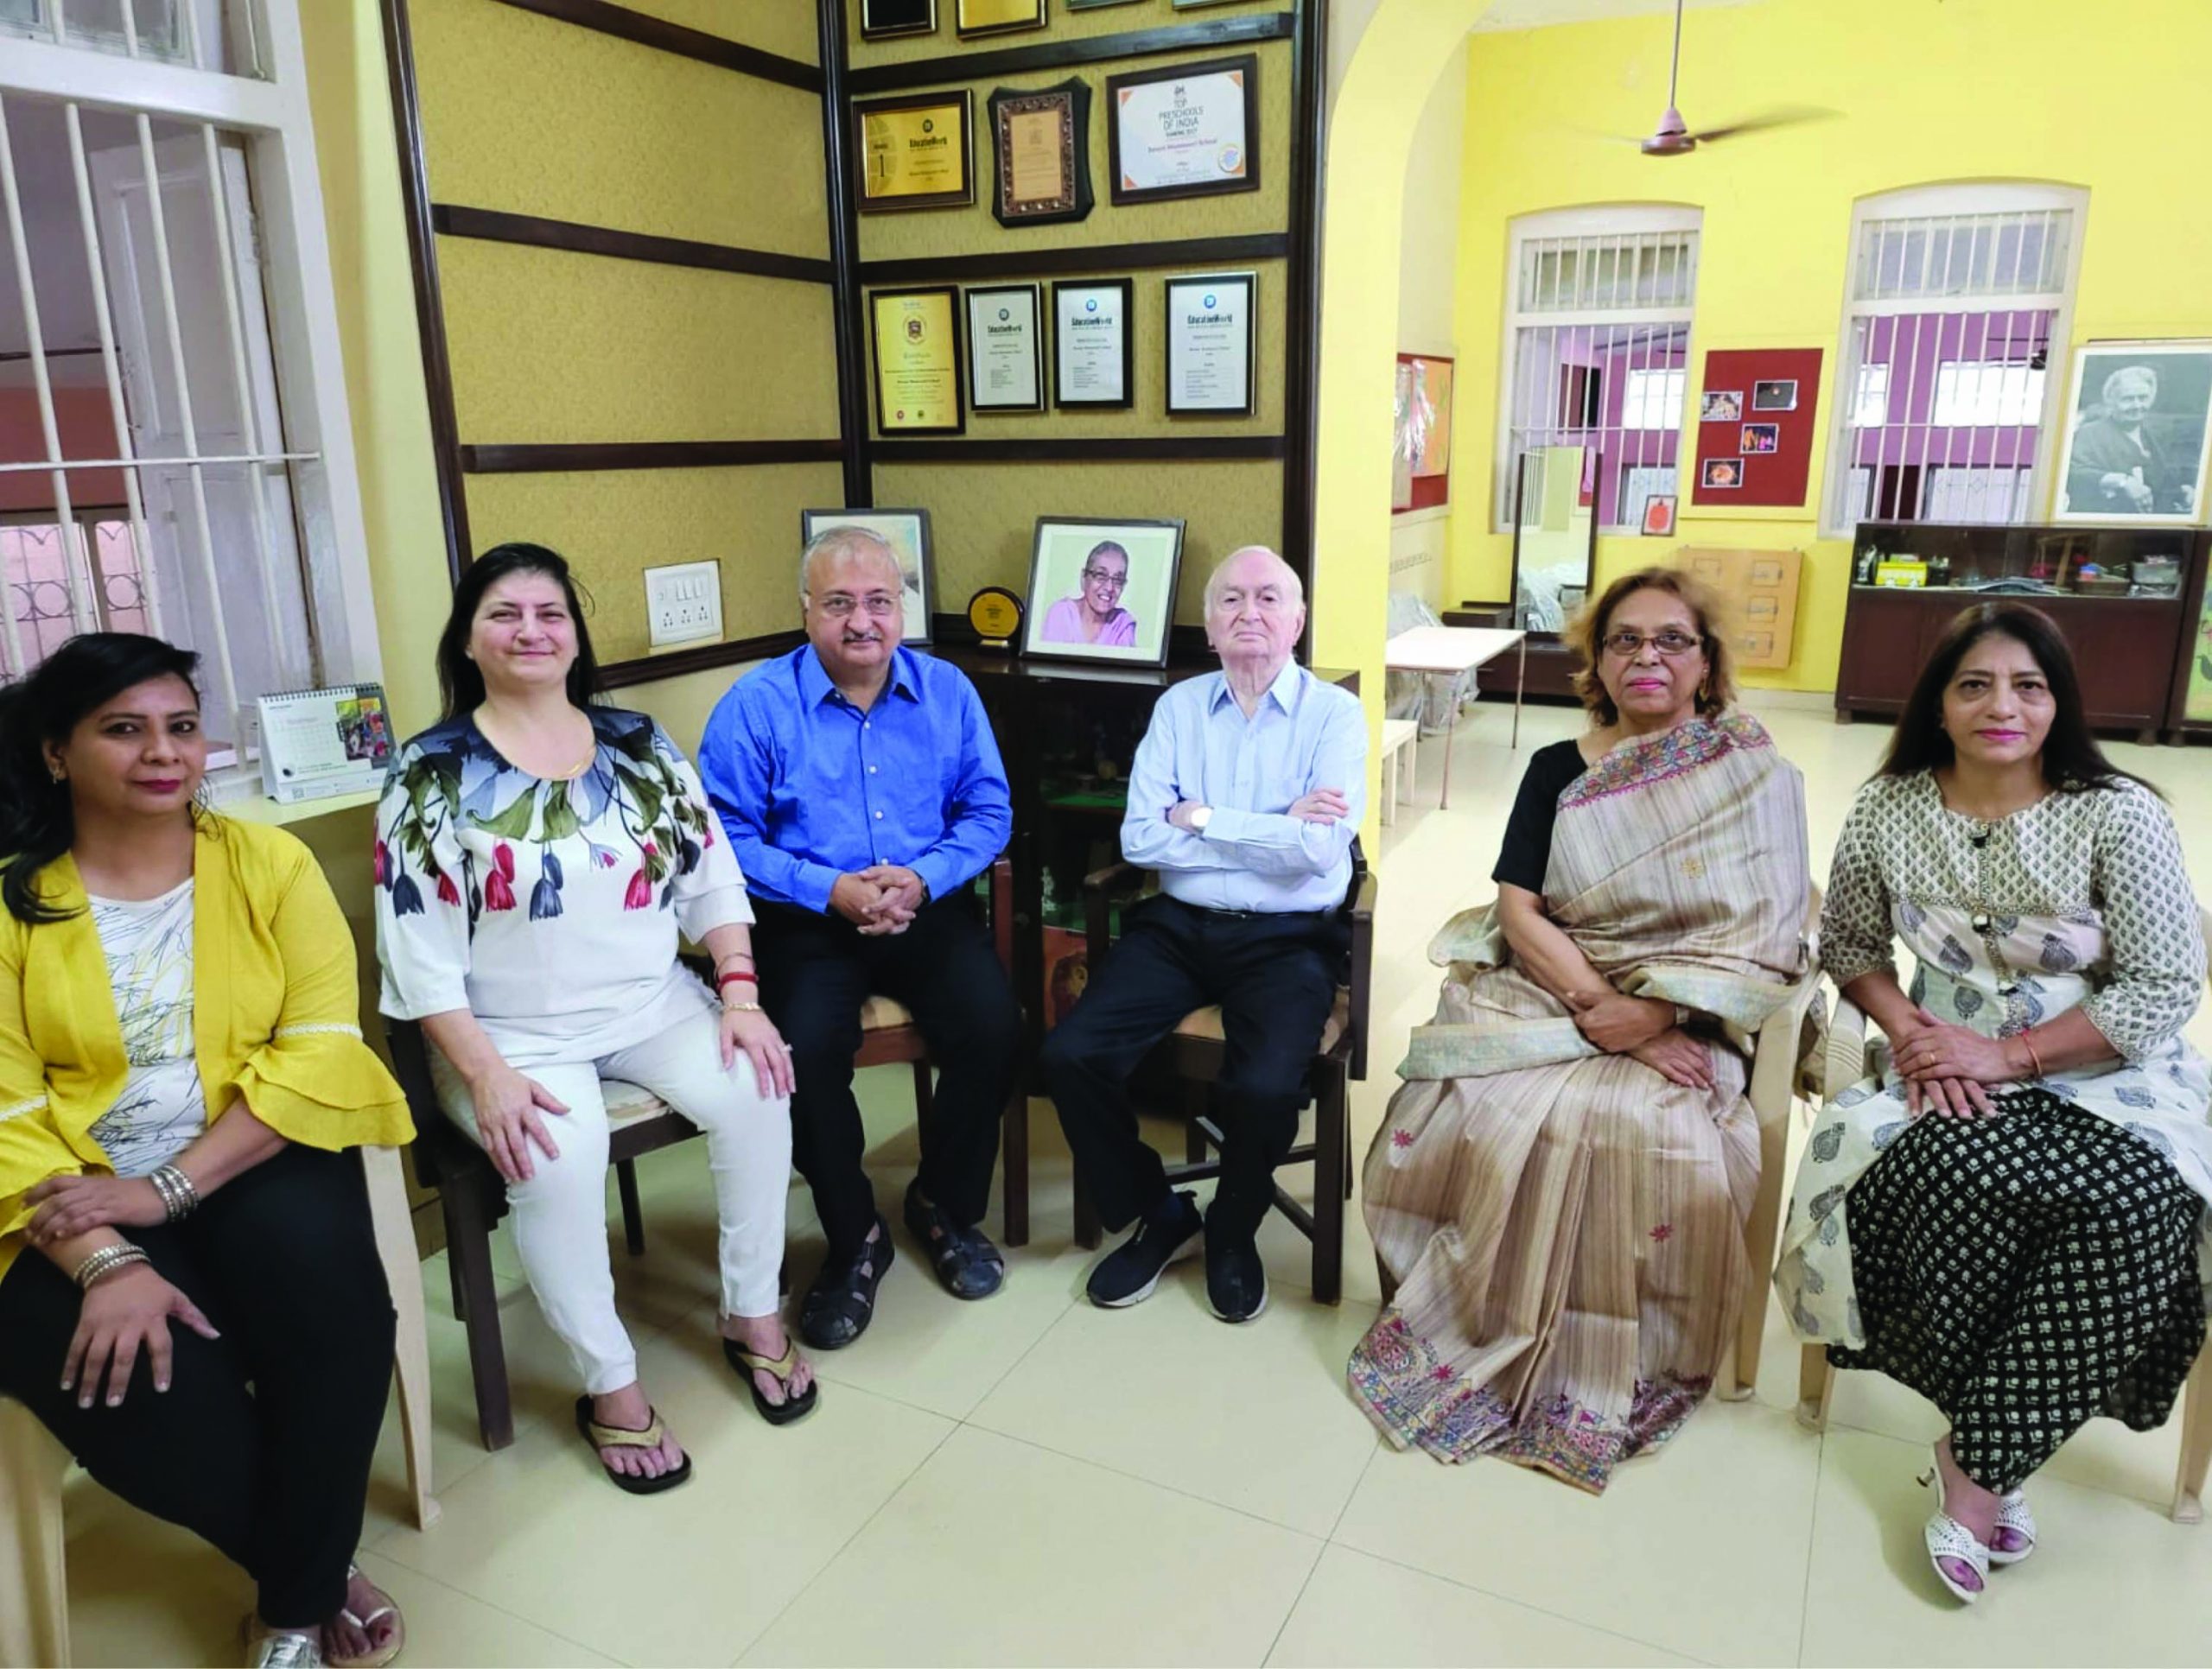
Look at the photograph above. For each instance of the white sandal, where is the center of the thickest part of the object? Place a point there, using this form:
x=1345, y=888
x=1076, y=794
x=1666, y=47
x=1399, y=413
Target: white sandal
x=377, y=1656
x=2012, y=1514
x=1948, y=1539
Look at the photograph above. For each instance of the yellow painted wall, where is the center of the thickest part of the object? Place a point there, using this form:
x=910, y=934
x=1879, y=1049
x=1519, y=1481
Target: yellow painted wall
x=1925, y=92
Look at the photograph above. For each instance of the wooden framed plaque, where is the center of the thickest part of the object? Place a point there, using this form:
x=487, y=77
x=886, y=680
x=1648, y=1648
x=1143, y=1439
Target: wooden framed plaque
x=915, y=151
x=1093, y=334
x=1189, y=130
x=1211, y=330
x=997, y=16
x=1006, y=348
x=1041, y=141
x=882, y=18
x=915, y=335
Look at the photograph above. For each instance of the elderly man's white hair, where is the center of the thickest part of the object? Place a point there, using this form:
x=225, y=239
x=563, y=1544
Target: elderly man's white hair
x=1288, y=573
x=845, y=541
x=2125, y=373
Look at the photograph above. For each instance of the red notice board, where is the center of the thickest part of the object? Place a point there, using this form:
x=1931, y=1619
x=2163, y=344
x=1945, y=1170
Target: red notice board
x=1769, y=444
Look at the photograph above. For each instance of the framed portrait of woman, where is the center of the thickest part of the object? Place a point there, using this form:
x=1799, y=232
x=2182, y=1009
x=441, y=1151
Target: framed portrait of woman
x=1101, y=591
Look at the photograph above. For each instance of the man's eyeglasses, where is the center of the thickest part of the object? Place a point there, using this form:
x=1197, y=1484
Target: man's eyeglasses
x=1669, y=642
x=1106, y=577
x=839, y=605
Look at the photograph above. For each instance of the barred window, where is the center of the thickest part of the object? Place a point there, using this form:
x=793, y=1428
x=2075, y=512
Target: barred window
x=1598, y=338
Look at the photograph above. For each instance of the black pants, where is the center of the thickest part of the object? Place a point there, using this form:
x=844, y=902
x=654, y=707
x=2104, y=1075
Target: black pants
x=1275, y=979
x=283, y=1261
x=816, y=971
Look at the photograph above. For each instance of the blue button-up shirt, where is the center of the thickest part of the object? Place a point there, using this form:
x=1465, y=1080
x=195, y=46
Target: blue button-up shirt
x=1303, y=735
x=809, y=787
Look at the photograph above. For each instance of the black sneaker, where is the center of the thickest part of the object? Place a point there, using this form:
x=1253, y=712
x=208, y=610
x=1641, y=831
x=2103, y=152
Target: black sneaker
x=842, y=1302
x=1237, y=1281
x=1164, y=1235
x=966, y=1262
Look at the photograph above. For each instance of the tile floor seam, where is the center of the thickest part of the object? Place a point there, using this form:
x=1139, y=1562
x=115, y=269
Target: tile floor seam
x=1328, y=1542
x=1812, y=1544
x=1291, y=1610
x=492, y=1605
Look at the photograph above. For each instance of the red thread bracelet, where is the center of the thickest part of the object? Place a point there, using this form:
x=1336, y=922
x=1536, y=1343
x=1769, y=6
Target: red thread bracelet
x=734, y=979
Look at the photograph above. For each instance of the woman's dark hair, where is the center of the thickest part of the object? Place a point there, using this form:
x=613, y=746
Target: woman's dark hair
x=38, y=822
x=461, y=680
x=2072, y=761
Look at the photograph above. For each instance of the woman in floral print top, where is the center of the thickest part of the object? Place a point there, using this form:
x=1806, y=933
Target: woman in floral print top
x=537, y=860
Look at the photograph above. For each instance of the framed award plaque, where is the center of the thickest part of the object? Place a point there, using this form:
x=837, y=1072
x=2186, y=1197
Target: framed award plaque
x=1211, y=330
x=1092, y=347
x=997, y=16
x=1188, y=131
x=915, y=151
x=1041, y=141
x=916, y=334
x=883, y=18
x=1006, y=348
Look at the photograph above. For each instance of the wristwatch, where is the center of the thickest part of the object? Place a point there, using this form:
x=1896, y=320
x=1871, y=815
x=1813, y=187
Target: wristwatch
x=1200, y=818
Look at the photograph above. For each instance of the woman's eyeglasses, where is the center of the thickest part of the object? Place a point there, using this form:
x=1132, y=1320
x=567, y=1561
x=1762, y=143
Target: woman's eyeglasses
x=1669, y=642
x=1106, y=578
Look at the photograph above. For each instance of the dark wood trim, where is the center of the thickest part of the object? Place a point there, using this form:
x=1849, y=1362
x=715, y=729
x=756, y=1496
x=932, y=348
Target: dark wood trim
x=847, y=322
x=1058, y=54
x=635, y=26
x=1302, y=304
x=498, y=226
x=644, y=454
x=11, y=356
x=677, y=663
x=1138, y=449
x=1016, y=263
x=429, y=303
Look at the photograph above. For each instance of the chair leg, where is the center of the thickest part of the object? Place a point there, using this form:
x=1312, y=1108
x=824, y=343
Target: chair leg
x=2195, y=1442
x=34, y=1585
x=1759, y=1234
x=1014, y=1164
x=633, y=1214
x=468, y=1244
x=1815, y=1386
x=460, y=1293
x=395, y=1233
x=1330, y=1116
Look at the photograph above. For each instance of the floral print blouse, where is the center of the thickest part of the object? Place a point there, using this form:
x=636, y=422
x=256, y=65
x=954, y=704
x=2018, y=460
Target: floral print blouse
x=550, y=910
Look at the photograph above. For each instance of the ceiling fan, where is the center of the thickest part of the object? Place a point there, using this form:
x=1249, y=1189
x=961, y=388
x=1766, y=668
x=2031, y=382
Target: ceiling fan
x=1673, y=136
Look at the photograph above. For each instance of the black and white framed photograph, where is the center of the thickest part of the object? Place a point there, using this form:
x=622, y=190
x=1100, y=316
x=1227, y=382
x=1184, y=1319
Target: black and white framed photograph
x=2136, y=422
x=907, y=533
x=1006, y=348
x=1775, y=394
x=1187, y=130
x=881, y=19
x=1093, y=343
x=1212, y=335
x=1102, y=590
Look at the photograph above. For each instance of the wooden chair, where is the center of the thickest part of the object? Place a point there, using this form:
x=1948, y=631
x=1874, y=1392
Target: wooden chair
x=34, y=1577
x=473, y=1198
x=1852, y=1055
x=1192, y=1056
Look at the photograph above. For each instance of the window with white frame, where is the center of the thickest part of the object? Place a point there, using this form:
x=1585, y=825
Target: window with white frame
x=174, y=453
x=1956, y=294
x=1597, y=349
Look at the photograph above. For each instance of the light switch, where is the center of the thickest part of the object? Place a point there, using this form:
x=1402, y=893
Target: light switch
x=684, y=604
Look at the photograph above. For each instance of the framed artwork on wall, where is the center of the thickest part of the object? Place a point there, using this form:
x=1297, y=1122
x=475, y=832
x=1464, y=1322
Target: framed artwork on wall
x=907, y=533
x=1188, y=131
x=1103, y=591
x=2136, y=424
x=1420, y=456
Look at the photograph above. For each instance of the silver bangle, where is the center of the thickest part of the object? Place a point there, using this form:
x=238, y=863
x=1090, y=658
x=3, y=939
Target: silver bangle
x=179, y=1196
x=106, y=1261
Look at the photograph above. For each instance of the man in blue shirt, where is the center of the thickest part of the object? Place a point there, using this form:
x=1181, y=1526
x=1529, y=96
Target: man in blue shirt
x=1245, y=796
x=861, y=790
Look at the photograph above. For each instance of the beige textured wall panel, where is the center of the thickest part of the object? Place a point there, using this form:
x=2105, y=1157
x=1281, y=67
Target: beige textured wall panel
x=787, y=28
x=1061, y=24
x=1149, y=415
x=550, y=346
x=534, y=116
x=914, y=233
x=983, y=516
x=614, y=525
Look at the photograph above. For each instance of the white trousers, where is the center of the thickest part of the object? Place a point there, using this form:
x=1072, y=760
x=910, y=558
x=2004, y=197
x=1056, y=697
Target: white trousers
x=561, y=1212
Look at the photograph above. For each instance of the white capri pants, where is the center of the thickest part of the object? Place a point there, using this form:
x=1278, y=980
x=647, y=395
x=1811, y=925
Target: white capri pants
x=561, y=1212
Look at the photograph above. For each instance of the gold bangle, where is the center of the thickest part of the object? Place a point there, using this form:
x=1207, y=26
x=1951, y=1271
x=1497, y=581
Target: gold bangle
x=740, y=1008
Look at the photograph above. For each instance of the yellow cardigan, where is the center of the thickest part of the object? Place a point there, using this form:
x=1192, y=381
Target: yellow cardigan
x=275, y=1016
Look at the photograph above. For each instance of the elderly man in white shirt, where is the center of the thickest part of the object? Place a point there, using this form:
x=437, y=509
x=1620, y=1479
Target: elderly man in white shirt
x=1245, y=796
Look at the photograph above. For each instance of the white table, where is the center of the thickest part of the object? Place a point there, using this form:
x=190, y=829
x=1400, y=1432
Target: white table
x=1457, y=649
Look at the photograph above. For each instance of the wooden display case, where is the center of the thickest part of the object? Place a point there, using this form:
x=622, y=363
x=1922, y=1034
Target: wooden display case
x=2120, y=596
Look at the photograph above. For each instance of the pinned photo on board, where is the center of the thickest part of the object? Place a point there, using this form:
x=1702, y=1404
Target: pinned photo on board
x=1779, y=393
x=1722, y=473
x=1659, y=516
x=1761, y=437
x=1102, y=590
x=1721, y=405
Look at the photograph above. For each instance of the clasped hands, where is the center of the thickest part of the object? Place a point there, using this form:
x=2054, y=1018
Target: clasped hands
x=881, y=899
x=1945, y=1066
x=1643, y=1027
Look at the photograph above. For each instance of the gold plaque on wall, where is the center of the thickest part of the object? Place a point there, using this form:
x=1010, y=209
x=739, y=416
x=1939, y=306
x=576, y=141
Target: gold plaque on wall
x=915, y=151
x=997, y=16
x=917, y=339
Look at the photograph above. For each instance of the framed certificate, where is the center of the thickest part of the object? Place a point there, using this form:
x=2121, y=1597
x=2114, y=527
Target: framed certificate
x=915, y=151
x=880, y=18
x=997, y=16
x=1191, y=130
x=1091, y=343
x=916, y=334
x=1006, y=348
x=1211, y=329
x=1042, y=143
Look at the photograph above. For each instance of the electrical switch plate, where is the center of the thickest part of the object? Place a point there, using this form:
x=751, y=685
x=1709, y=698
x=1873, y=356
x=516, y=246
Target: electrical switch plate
x=684, y=604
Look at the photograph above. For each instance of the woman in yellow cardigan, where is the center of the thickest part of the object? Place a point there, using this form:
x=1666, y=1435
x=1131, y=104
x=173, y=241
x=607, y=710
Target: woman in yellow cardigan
x=181, y=1070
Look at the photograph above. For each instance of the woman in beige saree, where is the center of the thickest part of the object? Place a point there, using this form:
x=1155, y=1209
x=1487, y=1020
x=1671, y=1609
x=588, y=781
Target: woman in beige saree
x=1560, y=1189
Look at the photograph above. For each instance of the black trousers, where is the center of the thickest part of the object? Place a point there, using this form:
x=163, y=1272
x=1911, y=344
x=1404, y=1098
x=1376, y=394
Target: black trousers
x=816, y=971
x=1275, y=979
x=283, y=1261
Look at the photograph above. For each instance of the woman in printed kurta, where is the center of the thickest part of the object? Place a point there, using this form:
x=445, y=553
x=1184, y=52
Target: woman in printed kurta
x=190, y=1294
x=2029, y=1256
x=538, y=858
x=1560, y=1189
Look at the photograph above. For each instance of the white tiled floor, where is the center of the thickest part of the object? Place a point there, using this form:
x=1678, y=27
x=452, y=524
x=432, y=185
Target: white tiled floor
x=1033, y=1481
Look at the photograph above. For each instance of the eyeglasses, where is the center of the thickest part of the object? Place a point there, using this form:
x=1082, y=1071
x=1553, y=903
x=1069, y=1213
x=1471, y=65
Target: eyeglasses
x=877, y=606
x=1669, y=642
x=1106, y=577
